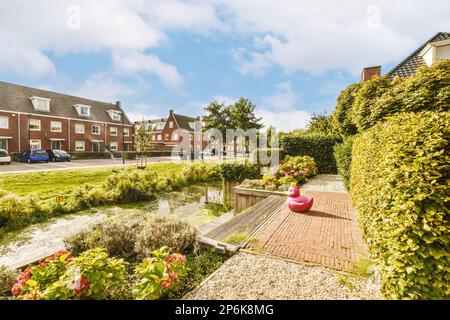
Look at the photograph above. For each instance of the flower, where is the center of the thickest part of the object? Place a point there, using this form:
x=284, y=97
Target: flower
x=81, y=285
x=176, y=257
x=16, y=290
x=165, y=284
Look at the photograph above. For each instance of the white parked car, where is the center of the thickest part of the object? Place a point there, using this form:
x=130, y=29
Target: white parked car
x=5, y=157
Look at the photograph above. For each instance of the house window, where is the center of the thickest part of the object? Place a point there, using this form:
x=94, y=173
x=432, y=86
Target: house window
x=35, y=144
x=126, y=132
x=4, y=122
x=166, y=137
x=113, y=146
x=113, y=131
x=35, y=125
x=79, y=128
x=56, y=126
x=56, y=145
x=175, y=137
x=159, y=137
x=41, y=104
x=79, y=145
x=83, y=110
x=96, y=146
x=115, y=115
x=95, y=129
x=171, y=124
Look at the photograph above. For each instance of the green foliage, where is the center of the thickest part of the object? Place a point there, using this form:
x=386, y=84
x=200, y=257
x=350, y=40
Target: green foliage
x=7, y=280
x=343, y=156
x=320, y=123
x=119, y=187
x=143, y=139
x=160, y=232
x=91, y=275
x=199, y=266
x=117, y=236
x=159, y=276
x=365, y=100
x=318, y=146
x=428, y=89
x=239, y=170
x=399, y=183
x=242, y=115
x=342, y=114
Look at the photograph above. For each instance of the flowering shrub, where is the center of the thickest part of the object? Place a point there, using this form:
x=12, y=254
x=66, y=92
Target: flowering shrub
x=33, y=281
x=91, y=275
x=291, y=170
x=159, y=275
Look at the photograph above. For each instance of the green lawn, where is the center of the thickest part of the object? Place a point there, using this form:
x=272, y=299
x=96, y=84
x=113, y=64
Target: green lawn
x=47, y=183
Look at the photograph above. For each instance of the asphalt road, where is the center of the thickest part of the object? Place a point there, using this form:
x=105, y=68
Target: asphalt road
x=17, y=167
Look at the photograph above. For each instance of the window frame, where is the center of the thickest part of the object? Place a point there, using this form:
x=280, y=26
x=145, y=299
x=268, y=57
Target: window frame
x=126, y=132
x=76, y=145
x=96, y=126
x=77, y=126
x=34, y=129
x=31, y=143
x=116, y=146
x=113, y=134
x=7, y=122
x=51, y=126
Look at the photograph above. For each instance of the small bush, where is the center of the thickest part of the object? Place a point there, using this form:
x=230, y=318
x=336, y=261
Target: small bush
x=7, y=280
x=318, y=146
x=160, y=275
x=118, y=237
x=399, y=184
x=166, y=232
x=240, y=170
x=343, y=156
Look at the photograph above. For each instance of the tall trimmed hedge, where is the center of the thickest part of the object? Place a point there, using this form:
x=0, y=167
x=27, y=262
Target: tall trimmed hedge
x=318, y=146
x=400, y=187
x=343, y=156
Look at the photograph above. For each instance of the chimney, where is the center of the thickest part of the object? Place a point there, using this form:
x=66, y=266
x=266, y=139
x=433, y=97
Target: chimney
x=170, y=111
x=118, y=105
x=370, y=73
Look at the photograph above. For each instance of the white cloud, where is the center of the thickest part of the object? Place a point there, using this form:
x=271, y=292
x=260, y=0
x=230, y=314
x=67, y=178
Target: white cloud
x=142, y=111
x=102, y=87
x=284, y=120
x=225, y=99
x=285, y=98
x=134, y=62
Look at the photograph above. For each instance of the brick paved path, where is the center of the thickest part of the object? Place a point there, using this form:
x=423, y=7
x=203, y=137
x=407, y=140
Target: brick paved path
x=328, y=235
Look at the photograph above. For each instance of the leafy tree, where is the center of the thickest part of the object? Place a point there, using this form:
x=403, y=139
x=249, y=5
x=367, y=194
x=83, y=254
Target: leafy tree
x=365, y=100
x=142, y=139
x=320, y=123
x=342, y=114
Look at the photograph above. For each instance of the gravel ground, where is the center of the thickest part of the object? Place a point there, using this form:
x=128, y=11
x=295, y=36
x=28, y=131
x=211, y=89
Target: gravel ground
x=325, y=183
x=248, y=276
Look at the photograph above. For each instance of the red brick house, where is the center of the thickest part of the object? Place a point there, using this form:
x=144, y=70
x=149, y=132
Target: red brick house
x=40, y=119
x=166, y=136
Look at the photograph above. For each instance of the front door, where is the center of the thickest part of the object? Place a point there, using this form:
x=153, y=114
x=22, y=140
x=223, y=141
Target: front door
x=96, y=146
x=4, y=144
x=56, y=145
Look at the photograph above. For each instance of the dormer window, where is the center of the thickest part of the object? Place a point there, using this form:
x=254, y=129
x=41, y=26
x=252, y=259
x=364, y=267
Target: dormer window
x=40, y=104
x=435, y=52
x=115, y=115
x=83, y=110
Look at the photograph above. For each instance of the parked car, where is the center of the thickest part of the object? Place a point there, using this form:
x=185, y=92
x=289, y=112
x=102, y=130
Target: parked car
x=34, y=155
x=5, y=157
x=58, y=155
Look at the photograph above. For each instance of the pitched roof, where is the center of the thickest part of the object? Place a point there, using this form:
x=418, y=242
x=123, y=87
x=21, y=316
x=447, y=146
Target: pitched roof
x=16, y=98
x=184, y=121
x=410, y=65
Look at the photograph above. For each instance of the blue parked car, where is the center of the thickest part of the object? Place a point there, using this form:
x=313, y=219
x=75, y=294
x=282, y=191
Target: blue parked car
x=34, y=155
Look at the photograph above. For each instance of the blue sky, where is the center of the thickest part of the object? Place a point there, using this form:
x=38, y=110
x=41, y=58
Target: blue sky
x=290, y=58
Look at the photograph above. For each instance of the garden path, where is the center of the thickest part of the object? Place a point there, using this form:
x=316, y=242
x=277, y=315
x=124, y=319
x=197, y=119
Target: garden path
x=328, y=235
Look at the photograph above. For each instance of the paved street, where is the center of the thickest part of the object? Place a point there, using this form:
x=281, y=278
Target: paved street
x=17, y=167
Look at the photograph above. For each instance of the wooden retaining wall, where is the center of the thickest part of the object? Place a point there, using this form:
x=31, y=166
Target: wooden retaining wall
x=245, y=198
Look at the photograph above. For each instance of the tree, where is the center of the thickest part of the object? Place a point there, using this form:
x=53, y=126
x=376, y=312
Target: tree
x=142, y=139
x=320, y=123
x=342, y=114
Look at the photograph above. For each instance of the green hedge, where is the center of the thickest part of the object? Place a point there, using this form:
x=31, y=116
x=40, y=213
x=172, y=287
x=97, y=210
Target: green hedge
x=318, y=146
x=90, y=155
x=343, y=156
x=400, y=187
x=239, y=170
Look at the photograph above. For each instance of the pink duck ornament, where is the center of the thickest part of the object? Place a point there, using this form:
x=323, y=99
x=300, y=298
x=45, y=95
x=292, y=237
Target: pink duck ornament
x=296, y=202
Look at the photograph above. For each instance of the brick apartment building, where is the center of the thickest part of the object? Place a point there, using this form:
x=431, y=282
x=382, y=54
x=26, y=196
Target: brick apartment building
x=165, y=136
x=39, y=119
